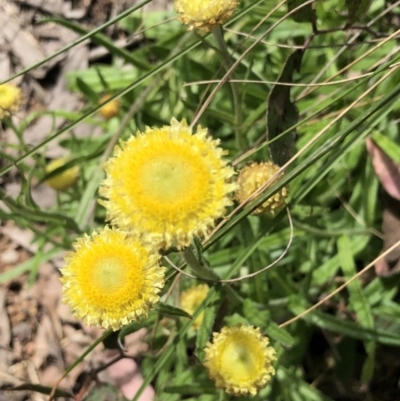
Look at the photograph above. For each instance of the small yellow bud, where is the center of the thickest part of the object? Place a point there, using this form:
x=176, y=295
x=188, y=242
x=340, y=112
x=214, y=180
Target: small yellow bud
x=255, y=176
x=111, y=109
x=204, y=14
x=10, y=99
x=64, y=180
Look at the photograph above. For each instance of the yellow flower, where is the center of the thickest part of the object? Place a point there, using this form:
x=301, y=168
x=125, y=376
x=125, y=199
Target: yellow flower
x=191, y=299
x=10, y=99
x=167, y=185
x=111, y=279
x=110, y=109
x=64, y=180
x=255, y=176
x=239, y=360
x=204, y=14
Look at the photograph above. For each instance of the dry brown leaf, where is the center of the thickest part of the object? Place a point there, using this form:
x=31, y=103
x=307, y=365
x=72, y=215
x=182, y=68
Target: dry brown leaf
x=388, y=173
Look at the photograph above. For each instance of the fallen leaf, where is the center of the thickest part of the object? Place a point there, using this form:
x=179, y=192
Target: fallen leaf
x=388, y=173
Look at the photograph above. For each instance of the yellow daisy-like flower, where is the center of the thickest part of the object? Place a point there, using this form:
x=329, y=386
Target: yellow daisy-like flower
x=64, y=180
x=191, y=299
x=167, y=185
x=255, y=176
x=239, y=360
x=10, y=99
x=204, y=14
x=111, y=279
x=110, y=109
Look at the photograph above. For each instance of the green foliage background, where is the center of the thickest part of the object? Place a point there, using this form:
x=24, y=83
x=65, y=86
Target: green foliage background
x=343, y=343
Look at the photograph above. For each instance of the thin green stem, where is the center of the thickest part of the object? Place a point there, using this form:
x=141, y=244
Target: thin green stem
x=226, y=60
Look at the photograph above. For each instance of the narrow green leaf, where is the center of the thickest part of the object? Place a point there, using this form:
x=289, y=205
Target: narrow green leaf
x=206, y=327
x=297, y=389
x=390, y=147
x=358, y=302
x=87, y=90
x=278, y=334
x=28, y=265
x=357, y=299
x=165, y=309
x=328, y=269
x=103, y=40
x=346, y=328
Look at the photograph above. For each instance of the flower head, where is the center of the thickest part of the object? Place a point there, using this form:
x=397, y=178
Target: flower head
x=65, y=179
x=110, y=109
x=204, y=14
x=167, y=185
x=255, y=176
x=10, y=99
x=239, y=360
x=111, y=279
x=191, y=299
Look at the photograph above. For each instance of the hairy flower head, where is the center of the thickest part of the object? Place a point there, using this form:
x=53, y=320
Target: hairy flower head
x=254, y=176
x=191, y=299
x=239, y=360
x=10, y=99
x=65, y=179
x=204, y=14
x=110, y=109
x=111, y=279
x=167, y=185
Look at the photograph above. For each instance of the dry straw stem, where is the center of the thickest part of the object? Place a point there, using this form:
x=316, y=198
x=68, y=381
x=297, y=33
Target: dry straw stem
x=113, y=141
x=294, y=47
x=356, y=35
x=253, y=81
x=233, y=280
x=302, y=150
x=344, y=285
x=356, y=217
x=247, y=51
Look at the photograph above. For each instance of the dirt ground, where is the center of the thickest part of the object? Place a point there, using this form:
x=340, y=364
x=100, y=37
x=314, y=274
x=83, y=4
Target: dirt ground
x=39, y=338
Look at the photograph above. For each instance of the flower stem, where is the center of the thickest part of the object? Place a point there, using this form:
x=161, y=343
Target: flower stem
x=226, y=60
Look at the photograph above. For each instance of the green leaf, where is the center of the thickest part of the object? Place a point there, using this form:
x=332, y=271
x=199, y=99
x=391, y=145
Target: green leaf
x=87, y=90
x=357, y=298
x=206, y=327
x=346, y=328
x=391, y=148
x=280, y=335
x=28, y=265
x=296, y=389
x=304, y=14
x=282, y=113
x=328, y=269
x=358, y=302
x=103, y=40
x=165, y=309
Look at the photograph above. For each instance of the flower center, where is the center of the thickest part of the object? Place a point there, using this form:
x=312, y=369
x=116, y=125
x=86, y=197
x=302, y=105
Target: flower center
x=109, y=274
x=239, y=361
x=113, y=276
x=167, y=179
